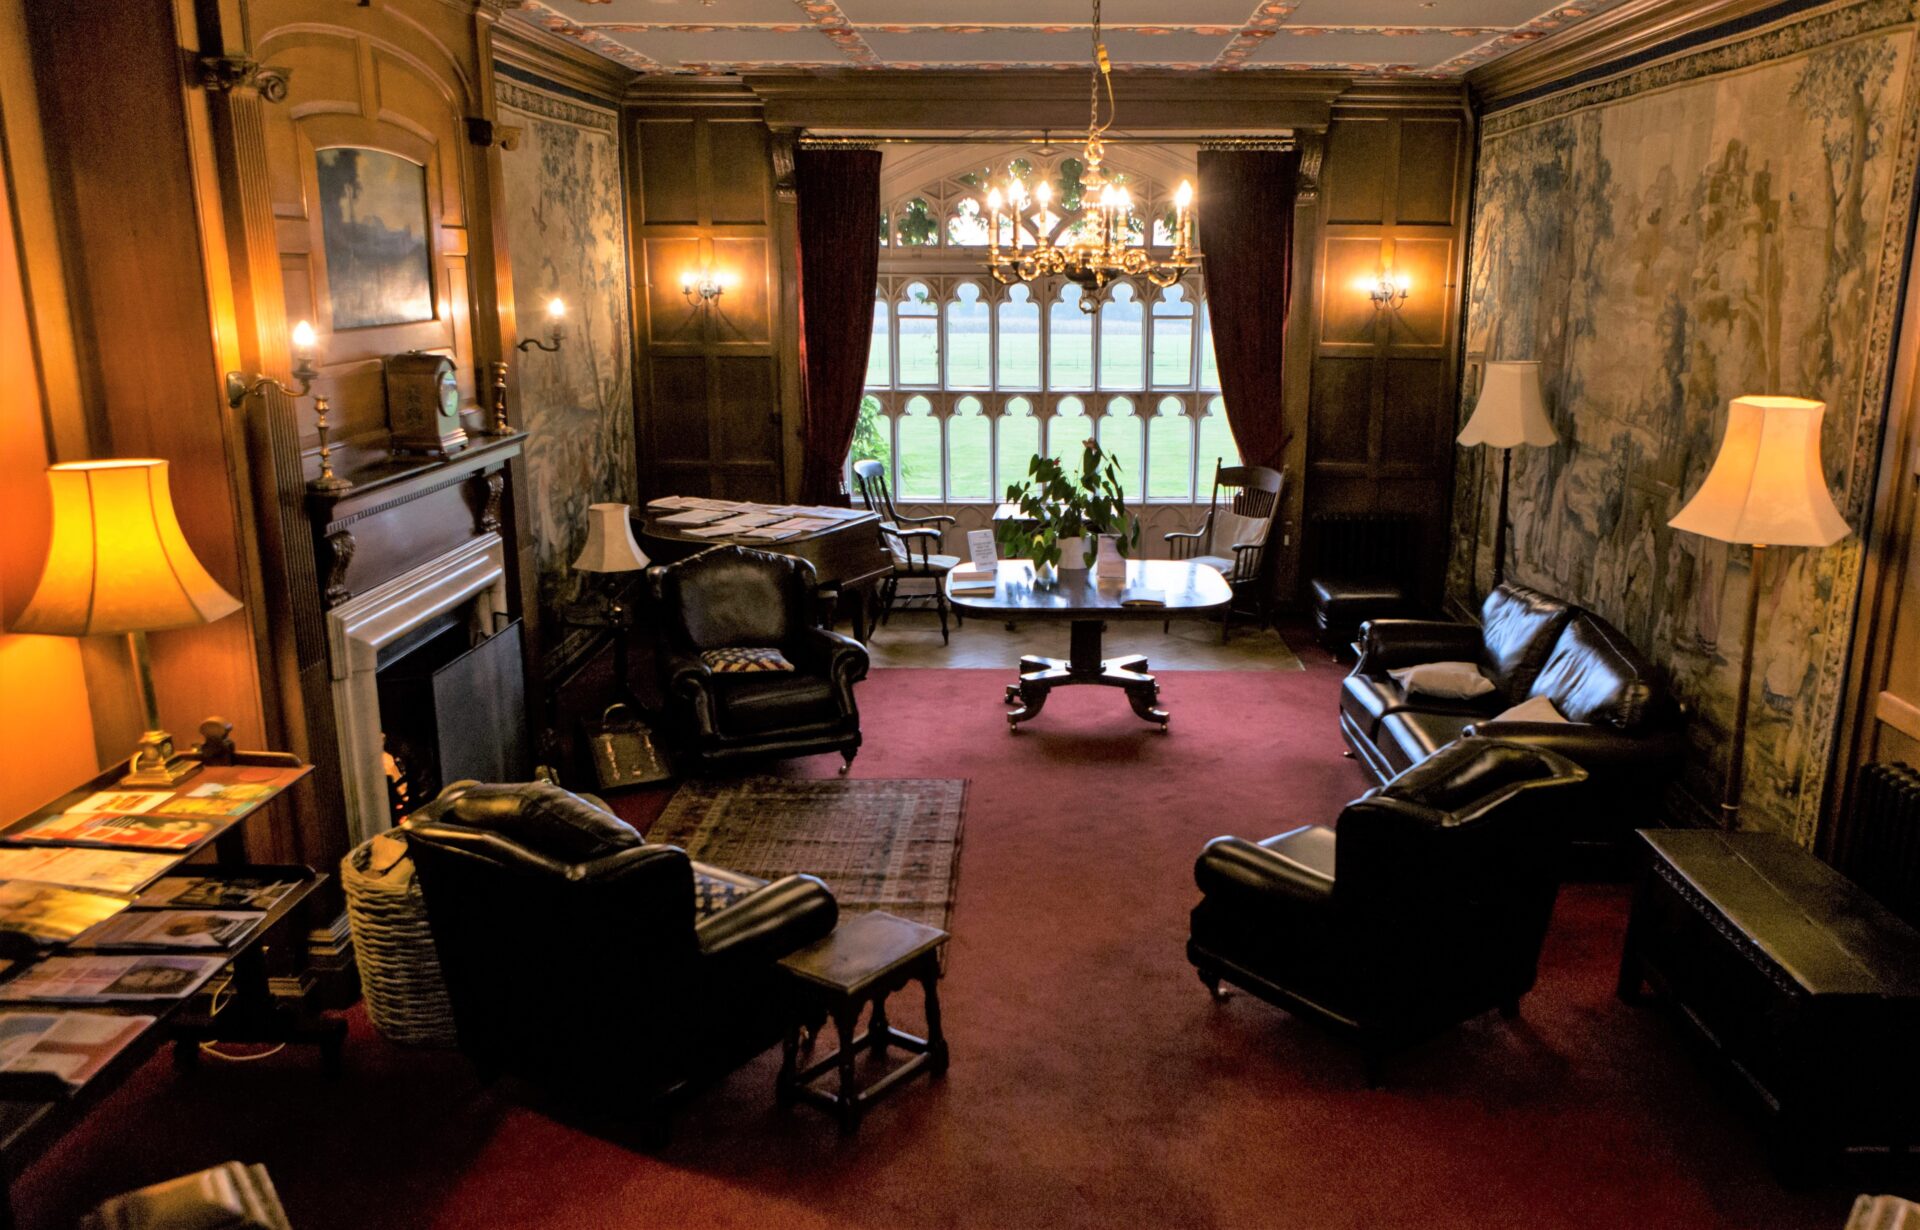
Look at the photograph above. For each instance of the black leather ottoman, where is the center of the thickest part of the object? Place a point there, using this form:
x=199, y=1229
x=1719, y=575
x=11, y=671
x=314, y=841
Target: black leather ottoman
x=1789, y=971
x=1342, y=604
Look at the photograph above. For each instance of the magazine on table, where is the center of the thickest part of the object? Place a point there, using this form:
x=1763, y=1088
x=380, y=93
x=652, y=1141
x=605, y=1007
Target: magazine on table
x=107, y=871
x=695, y=516
x=215, y=893
x=212, y=930
x=111, y=979
x=51, y=914
x=151, y=831
x=55, y=1053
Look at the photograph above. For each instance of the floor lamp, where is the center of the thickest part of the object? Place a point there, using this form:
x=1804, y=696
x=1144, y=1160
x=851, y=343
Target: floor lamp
x=1511, y=411
x=1766, y=489
x=117, y=564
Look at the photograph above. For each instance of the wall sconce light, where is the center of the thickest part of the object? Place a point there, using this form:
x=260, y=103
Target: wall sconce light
x=556, y=328
x=1389, y=291
x=306, y=351
x=702, y=288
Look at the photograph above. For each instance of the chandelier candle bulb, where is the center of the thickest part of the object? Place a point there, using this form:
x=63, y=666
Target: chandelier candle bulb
x=305, y=344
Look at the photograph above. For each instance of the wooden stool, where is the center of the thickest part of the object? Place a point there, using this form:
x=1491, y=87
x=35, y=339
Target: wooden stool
x=867, y=958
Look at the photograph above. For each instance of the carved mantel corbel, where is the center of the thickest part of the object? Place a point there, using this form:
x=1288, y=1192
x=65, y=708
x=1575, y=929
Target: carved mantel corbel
x=1313, y=148
x=226, y=73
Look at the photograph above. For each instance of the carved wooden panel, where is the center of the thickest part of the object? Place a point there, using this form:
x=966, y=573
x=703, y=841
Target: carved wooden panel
x=1415, y=413
x=668, y=193
x=669, y=317
x=1342, y=410
x=679, y=401
x=1427, y=191
x=746, y=410
x=740, y=315
x=1358, y=171
x=1427, y=266
x=1348, y=267
x=741, y=165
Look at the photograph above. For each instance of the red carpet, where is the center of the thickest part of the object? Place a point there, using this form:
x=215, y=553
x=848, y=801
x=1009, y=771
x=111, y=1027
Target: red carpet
x=1093, y=1083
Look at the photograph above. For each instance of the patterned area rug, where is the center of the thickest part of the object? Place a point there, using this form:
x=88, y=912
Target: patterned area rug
x=879, y=845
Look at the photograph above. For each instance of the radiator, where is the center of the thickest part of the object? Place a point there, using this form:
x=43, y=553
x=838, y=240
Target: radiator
x=1881, y=851
x=1370, y=545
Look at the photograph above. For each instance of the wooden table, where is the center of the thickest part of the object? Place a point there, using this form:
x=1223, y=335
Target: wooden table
x=1190, y=588
x=847, y=557
x=867, y=958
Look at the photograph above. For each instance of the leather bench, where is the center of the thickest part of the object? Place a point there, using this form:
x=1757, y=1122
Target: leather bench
x=1804, y=983
x=1342, y=604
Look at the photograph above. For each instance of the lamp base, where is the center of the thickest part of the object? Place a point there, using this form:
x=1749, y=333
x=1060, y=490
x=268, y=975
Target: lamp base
x=155, y=764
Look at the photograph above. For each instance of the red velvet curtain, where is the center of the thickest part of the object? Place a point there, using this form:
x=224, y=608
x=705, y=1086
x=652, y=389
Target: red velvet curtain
x=839, y=200
x=1246, y=235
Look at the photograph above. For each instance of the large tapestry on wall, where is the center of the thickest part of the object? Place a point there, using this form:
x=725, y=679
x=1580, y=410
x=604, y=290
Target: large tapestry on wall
x=1730, y=220
x=566, y=232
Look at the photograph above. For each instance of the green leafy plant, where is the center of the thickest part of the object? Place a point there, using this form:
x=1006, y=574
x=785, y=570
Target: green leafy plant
x=870, y=434
x=1057, y=503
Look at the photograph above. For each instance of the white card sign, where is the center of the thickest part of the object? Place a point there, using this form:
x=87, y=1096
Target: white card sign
x=984, y=556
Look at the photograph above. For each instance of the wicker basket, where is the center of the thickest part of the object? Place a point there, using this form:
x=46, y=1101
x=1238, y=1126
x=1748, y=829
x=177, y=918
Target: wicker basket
x=399, y=969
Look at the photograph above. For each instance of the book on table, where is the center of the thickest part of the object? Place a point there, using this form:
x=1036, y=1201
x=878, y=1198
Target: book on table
x=204, y=930
x=215, y=893
x=44, y=914
x=150, y=831
x=111, y=979
x=1140, y=595
x=53, y=1054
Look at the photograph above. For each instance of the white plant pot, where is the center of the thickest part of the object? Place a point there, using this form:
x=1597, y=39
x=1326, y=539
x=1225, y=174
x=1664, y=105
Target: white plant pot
x=1073, y=553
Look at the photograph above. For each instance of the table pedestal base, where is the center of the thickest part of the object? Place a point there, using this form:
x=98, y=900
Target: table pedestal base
x=1039, y=675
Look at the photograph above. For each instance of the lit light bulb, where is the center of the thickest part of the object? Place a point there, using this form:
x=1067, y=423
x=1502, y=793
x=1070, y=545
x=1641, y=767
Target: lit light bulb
x=1017, y=191
x=1183, y=197
x=556, y=308
x=1402, y=283
x=304, y=339
x=686, y=280
x=1043, y=193
x=993, y=201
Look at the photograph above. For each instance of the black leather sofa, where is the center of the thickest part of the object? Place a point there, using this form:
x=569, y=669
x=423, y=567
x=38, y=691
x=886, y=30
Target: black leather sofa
x=1425, y=906
x=575, y=955
x=738, y=598
x=1622, y=726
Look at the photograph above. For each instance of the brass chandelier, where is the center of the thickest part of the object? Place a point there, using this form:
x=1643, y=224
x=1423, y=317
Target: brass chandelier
x=1097, y=253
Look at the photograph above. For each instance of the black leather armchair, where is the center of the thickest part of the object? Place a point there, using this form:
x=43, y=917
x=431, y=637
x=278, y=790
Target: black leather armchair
x=1425, y=906
x=731, y=598
x=572, y=954
x=1622, y=726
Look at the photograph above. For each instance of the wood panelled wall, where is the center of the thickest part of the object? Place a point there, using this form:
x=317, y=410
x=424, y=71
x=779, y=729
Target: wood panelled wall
x=1394, y=203
x=714, y=385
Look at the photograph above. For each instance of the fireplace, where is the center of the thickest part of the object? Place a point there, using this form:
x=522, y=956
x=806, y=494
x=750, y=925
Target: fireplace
x=422, y=638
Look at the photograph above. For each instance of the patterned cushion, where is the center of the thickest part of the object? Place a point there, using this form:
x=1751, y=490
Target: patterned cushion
x=743, y=660
x=713, y=893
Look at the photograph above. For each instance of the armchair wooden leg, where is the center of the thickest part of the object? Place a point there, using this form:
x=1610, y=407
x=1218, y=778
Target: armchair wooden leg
x=940, y=604
x=847, y=760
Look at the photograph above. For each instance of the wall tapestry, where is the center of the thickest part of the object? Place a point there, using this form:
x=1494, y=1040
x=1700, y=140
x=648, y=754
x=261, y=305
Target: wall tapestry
x=1729, y=220
x=373, y=222
x=566, y=230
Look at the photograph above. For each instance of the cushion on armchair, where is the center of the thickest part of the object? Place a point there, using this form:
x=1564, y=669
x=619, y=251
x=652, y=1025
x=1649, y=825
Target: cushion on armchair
x=1594, y=675
x=1518, y=628
x=1448, y=680
x=744, y=660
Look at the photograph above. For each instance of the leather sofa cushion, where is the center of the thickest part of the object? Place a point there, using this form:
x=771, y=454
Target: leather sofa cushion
x=1411, y=735
x=1365, y=700
x=728, y=597
x=1309, y=847
x=1351, y=597
x=757, y=704
x=1518, y=629
x=1595, y=675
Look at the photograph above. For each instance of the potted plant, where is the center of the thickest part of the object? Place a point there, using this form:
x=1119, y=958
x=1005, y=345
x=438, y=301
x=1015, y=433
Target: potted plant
x=1063, y=512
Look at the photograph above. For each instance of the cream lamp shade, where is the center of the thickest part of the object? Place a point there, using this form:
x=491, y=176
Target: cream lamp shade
x=117, y=561
x=1511, y=410
x=1767, y=487
x=610, y=545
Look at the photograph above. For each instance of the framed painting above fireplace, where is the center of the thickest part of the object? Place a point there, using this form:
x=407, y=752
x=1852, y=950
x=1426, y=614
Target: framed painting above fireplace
x=374, y=222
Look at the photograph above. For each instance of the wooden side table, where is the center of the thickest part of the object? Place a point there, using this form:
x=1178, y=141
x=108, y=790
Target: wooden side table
x=866, y=959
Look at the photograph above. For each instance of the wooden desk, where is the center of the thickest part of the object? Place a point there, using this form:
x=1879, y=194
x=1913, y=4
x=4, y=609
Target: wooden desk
x=847, y=557
x=1190, y=588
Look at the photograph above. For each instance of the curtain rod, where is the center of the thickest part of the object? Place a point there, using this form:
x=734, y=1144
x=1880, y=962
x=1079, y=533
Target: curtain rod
x=1046, y=138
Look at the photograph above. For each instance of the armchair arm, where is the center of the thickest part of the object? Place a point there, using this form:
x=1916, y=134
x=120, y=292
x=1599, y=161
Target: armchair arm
x=919, y=543
x=1390, y=643
x=1196, y=535
x=824, y=652
x=769, y=922
x=935, y=519
x=1235, y=867
x=687, y=681
x=1592, y=747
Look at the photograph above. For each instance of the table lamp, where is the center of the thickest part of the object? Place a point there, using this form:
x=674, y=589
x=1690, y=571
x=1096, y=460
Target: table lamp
x=1511, y=411
x=118, y=564
x=1766, y=488
x=611, y=548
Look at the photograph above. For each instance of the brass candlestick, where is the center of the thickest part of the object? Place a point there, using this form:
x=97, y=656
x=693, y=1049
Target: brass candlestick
x=500, y=425
x=328, y=480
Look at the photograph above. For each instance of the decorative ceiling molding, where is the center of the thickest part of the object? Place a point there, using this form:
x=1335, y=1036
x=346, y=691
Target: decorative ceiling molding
x=1632, y=28
x=1417, y=39
x=561, y=60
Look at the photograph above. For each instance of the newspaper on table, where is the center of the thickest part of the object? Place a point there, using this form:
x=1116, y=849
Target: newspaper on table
x=68, y=1046
x=212, y=930
x=110, y=871
x=111, y=979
